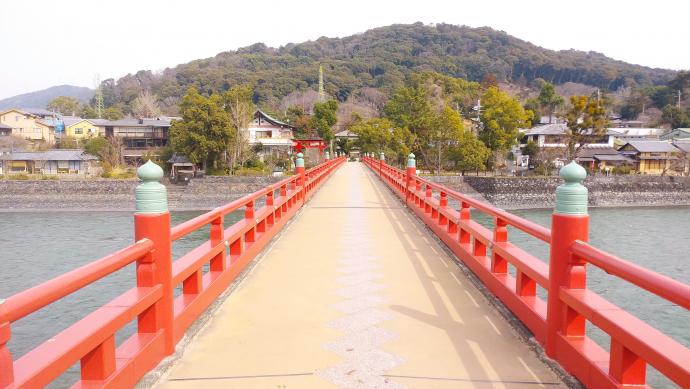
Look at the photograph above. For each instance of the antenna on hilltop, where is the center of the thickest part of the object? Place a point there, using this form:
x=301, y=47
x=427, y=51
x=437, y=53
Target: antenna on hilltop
x=322, y=92
x=99, y=97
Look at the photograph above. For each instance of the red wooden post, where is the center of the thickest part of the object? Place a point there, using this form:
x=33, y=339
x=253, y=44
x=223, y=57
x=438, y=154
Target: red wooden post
x=6, y=363
x=410, y=172
x=569, y=223
x=381, y=162
x=299, y=171
x=152, y=221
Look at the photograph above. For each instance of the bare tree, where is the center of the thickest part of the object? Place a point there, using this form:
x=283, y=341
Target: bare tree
x=239, y=105
x=146, y=105
x=305, y=99
x=13, y=143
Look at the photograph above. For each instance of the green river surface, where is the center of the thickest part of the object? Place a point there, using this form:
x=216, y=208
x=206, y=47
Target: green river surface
x=37, y=246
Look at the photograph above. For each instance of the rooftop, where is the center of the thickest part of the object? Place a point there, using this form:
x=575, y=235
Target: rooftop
x=651, y=146
x=38, y=111
x=70, y=120
x=49, y=155
x=131, y=122
x=261, y=114
x=559, y=129
x=683, y=146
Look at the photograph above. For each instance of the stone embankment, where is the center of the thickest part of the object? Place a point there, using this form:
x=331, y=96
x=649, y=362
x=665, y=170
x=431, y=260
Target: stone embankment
x=115, y=195
x=210, y=192
x=539, y=192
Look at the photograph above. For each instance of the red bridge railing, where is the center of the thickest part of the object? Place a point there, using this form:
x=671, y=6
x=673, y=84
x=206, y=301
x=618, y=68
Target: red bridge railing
x=162, y=318
x=557, y=323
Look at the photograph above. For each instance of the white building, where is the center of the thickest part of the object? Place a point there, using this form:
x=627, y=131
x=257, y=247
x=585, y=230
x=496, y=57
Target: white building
x=554, y=135
x=273, y=135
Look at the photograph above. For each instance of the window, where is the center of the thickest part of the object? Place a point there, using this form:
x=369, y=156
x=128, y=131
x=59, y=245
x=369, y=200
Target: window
x=16, y=118
x=263, y=134
x=78, y=131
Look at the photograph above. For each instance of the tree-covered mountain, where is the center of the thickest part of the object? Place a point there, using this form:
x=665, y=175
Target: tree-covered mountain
x=380, y=58
x=41, y=98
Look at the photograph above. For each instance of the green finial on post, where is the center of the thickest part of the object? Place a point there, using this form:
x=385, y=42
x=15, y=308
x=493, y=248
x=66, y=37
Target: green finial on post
x=151, y=196
x=571, y=197
x=411, y=161
x=299, y=162
x=382, y=157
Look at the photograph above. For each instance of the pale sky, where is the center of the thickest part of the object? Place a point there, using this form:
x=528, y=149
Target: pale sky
x=47, y=43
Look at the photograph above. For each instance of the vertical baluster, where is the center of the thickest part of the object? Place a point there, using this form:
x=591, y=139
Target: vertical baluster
x=216, y=235
x=99, y=363
x=427, y=199
x=442, y=205
x=283, y=195
x=498, y=264
x=249, y=216
x=417, y=190
x=270, y=219
x=464, y=217
x=524, y=285
x=625, y=366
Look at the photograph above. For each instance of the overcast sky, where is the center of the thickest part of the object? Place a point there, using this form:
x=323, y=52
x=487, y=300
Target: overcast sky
x=46, y=43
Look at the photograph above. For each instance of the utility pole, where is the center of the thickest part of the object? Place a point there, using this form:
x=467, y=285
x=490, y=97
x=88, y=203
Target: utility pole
x=679, y=93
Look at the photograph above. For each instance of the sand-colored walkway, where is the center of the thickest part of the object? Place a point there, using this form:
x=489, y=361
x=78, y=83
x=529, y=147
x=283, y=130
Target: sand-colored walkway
x=356, y=294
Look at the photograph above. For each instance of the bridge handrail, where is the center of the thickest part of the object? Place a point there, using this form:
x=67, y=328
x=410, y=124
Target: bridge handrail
x=161, y=317
x=31, y=300
x=560, y=326
x=529, y=227
x=658, y=284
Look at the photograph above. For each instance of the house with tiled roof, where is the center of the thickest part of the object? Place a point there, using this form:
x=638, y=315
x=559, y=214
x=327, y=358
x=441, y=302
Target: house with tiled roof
x=29, y=126
x=602, y=158
x=60, y=161
x=555, y=135
x=651, y=156
x=274, y=136
x=678, y=133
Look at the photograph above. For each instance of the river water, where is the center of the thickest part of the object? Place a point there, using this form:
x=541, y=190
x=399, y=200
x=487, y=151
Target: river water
x=35, y=247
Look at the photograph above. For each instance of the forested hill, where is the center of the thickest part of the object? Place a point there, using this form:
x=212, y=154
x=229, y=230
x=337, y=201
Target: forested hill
x=41, y=98
x=381, y=58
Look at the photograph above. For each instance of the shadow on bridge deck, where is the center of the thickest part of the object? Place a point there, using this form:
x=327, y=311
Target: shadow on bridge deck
x=356, y=293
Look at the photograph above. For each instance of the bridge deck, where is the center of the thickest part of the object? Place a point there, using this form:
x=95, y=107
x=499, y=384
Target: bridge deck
x=355, y=293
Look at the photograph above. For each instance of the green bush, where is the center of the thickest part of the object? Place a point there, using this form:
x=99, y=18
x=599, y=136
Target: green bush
x=119, y=173
x=50, y=177
x=217, y=171
x=621, y=170
x=20, y=176
x=250, y=171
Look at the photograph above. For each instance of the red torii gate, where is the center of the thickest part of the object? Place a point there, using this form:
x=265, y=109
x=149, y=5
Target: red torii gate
x=299, y=145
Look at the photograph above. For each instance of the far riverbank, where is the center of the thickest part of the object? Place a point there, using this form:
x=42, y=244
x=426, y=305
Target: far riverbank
x=509, y=193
